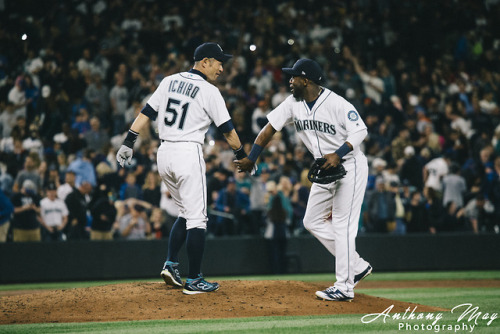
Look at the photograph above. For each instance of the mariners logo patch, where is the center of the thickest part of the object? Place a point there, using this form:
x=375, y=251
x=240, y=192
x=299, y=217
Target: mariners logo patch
x=352, y=115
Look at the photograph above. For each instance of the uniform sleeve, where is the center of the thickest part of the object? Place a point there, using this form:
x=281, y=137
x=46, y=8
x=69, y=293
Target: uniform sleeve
x=353, y=123
x=351, y=119
x=282, y=114
x=217, y=109
x=155, y=100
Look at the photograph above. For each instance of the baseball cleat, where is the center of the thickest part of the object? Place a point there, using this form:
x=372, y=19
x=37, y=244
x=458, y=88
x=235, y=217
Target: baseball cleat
x=333, y=294
x=362, y=275
x=170, y=274
x=199, y=285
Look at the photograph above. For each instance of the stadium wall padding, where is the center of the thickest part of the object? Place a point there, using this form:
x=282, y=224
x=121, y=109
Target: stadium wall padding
x=233, y=256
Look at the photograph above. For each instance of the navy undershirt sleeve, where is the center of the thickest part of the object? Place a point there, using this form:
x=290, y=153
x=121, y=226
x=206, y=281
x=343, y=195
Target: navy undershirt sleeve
x=226, y=126
x=149, y=111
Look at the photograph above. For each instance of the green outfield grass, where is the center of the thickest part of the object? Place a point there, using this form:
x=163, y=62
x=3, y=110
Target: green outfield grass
x=487, y=299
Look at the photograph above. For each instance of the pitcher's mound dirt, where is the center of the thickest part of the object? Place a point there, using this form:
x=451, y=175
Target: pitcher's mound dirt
x=147, y=301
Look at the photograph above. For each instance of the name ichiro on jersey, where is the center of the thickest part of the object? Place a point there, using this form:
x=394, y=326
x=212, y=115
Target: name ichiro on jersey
x=183, y=88
x=308, y=124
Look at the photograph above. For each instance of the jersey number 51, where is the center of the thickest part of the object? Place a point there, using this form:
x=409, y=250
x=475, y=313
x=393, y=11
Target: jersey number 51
x=172, y=113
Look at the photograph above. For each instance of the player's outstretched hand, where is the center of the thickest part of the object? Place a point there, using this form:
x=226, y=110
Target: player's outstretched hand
x=124, y=154
x=245, y=165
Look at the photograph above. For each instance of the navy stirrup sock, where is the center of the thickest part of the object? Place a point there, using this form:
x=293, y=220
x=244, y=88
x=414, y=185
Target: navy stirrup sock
x=195, y=246
x=176, y=239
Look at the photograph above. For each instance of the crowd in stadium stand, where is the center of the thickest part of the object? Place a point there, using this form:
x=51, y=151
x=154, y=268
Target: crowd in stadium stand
x=424, y=75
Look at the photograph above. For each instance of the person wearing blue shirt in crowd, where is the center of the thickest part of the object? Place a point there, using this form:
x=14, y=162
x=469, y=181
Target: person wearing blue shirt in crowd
x=235, y=205
x=83, y=168
x=6, y=210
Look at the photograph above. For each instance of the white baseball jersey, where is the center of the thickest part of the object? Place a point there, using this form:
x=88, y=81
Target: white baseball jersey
x=333, y=210
x=186, y=105
x=53, y=212
x=324, y=128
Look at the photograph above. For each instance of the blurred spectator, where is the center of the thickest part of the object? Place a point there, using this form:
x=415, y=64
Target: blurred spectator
x=453, y=220
x=400, y=143
x=434, y=171
x=258, y=204
x=82, y=123
x=151, y=191
x=411, y=169
x=130, y=188
x=478, y=213
x=434, y=209
x=96, y=138
x=7, y=119
x=372, y=83
x=83, y=168
x=30, y=172
x=119, y=103
x=6, y=210
x=233, y=208
x=77, y=204
x=134, y=226
x=26, y=222
x=33, y=142
x=261, y=80
x=17, y=96
x=416, y=216
x=54, y=214
x=159, y=228
x=276, y=233
x=454, y=187
x=97, y=94
x=299, y=199
x=259, y=114
x=381, y=209
x=103, y=214
x=68, y=186
x=280, y=96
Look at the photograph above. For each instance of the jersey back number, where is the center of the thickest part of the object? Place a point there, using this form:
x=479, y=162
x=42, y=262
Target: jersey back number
x=173, y=109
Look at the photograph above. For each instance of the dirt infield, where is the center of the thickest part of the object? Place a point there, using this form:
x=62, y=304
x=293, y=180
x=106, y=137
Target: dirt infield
x=148, y=301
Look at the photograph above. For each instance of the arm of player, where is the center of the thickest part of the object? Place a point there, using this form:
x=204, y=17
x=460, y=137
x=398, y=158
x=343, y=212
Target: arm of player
x=265, y=135
x=353, y=140
x=126, y=151
x=233, y=139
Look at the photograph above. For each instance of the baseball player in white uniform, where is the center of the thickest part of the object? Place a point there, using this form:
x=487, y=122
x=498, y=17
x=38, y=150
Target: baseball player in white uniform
x=330, y=127
x=186, y=104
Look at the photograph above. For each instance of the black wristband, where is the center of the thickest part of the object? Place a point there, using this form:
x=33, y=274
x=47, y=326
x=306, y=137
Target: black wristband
x=130, y=139
x=240, y=153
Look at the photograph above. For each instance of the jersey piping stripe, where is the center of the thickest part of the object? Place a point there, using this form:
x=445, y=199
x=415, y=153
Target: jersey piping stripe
x=314, y=118
x=349, y=221
x=203, y=184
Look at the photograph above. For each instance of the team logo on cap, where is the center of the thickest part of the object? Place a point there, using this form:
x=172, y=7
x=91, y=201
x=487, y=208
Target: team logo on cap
x=303, y=73
x=352, y=115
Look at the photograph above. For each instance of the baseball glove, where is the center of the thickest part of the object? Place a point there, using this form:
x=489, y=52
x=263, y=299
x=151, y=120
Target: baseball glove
x=325, y=176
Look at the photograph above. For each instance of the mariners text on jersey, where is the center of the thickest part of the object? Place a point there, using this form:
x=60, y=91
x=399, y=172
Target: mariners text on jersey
x=184, y=88
x=308, y=124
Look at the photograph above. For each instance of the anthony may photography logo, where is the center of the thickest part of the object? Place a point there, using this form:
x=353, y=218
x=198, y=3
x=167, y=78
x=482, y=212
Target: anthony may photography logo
x=461, y=318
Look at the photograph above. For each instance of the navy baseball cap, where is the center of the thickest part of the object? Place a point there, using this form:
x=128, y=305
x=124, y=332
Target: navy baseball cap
x=306, y=68
x=210, y=50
